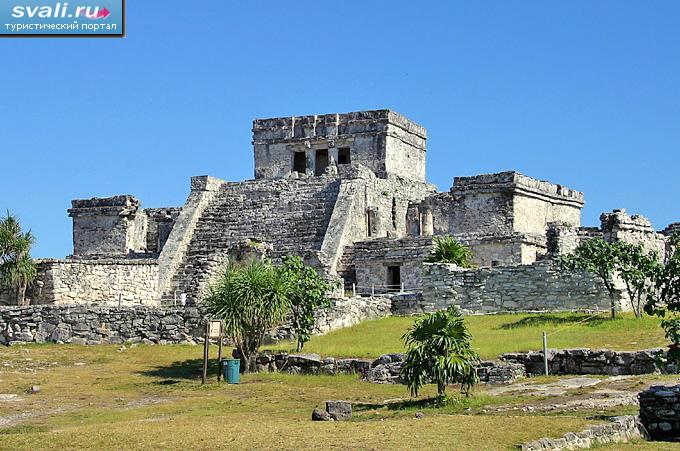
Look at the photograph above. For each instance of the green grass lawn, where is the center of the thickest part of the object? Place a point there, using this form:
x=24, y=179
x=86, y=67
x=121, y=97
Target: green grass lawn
x=150, y=397
x=496, y=334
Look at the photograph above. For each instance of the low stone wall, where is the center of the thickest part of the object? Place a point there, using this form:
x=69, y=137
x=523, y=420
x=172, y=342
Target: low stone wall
x=97, y=324
x=590, y=361
x=660, y=412
x=536, y=287
x=267, y=361
x=621, y=430
x=89, y=324
x=383, y=370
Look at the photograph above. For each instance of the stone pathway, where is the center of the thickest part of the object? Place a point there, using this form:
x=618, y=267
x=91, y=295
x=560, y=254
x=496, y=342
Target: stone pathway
x=568, y=393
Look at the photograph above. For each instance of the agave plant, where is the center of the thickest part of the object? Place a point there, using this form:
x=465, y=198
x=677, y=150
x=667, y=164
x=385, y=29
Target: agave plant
x=440, y=351
x=17, y=269
x=448, y=250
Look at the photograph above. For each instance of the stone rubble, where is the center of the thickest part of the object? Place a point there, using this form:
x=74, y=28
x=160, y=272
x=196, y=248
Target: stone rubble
x=621, y=429
x=660, y=412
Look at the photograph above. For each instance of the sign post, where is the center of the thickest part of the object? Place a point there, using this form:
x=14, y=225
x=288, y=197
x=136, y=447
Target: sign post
x=213, y=330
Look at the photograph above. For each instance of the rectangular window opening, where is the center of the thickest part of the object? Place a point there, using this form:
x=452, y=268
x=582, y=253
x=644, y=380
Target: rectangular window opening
x=343, y=155
x=300, y=162
x=321, y=161
x=394, y=278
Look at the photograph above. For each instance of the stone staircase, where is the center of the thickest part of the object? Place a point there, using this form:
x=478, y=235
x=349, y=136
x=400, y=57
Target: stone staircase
x=290, y=215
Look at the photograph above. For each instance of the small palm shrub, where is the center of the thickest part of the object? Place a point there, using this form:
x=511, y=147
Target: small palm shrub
x=448, y=250
x=251, y=300
x=440, y=351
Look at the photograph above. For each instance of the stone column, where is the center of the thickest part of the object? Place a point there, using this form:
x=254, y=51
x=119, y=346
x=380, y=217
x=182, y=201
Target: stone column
x=413, y=220
x=333, y=156
x=311, y=161
x=427, y=221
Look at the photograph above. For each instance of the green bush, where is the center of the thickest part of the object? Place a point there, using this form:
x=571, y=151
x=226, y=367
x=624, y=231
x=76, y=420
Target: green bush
x=448, y=250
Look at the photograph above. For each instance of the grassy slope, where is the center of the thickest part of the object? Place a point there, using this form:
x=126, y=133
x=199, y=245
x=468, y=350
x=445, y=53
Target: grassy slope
x=496, y=334
x=149, y=397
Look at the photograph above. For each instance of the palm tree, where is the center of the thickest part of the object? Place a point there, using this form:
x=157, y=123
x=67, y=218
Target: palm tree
x=448, y=250
x=440, y=351
x=17, y=269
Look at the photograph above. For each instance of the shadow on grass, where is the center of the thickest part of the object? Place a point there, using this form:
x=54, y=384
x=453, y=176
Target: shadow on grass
x=551, y=319
x=406, y=404
x=181, y=370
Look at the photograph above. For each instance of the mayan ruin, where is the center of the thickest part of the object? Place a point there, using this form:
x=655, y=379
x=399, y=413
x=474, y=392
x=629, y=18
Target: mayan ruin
x=383, y=225
x=349, y=193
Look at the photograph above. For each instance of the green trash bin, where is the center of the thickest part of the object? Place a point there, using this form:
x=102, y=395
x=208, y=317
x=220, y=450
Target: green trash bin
x=231, y=368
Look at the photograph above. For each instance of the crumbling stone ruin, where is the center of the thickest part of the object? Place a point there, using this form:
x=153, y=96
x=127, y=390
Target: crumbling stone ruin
x=348, y=193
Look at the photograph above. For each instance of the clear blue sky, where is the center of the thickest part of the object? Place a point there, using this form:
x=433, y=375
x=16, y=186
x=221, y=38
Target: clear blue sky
x=582, y=93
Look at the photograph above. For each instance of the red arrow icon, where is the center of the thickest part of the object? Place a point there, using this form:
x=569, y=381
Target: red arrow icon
x=100, y=14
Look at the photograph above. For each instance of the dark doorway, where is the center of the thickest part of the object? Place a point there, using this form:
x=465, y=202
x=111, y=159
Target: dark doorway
x=394, y=278
x=343, y=155
x=300, y=162
x=321, y=161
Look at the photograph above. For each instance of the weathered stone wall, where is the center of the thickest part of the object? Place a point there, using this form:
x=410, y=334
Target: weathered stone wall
x=106, y=226
x=95, y=281
x=563, y=238
x=160, y=222
x=118, y=226
x=90, y=324
x=660, y=412
x=372, y=259
x=502, y=204
x=503, y=216
x=93, y=324
x=386, y=369
x=381, y=140
x=535, y=287
x=590, y=361
x=383, y=370
x=619, y=226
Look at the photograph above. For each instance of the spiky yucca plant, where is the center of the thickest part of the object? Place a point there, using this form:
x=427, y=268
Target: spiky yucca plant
x=251, y=300
x=440, y=351
x=448, y=250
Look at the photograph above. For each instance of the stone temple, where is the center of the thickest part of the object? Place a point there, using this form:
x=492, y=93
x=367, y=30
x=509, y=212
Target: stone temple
x=348, y=193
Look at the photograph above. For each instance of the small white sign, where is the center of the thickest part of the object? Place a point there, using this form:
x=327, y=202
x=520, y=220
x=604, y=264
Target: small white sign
x=214, y=329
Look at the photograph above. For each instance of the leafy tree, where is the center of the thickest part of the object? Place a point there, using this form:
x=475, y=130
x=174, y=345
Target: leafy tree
x=440, y=350
x=306, y=292
x=637, y=269
x=251, y=300
x=448, y=250
x=664, y=298
x=17, y=269
x=598, y=257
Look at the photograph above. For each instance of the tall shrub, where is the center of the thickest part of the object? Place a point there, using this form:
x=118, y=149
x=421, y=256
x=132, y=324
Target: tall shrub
x=306, y=291
x=598, y=257
x=663, y=298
